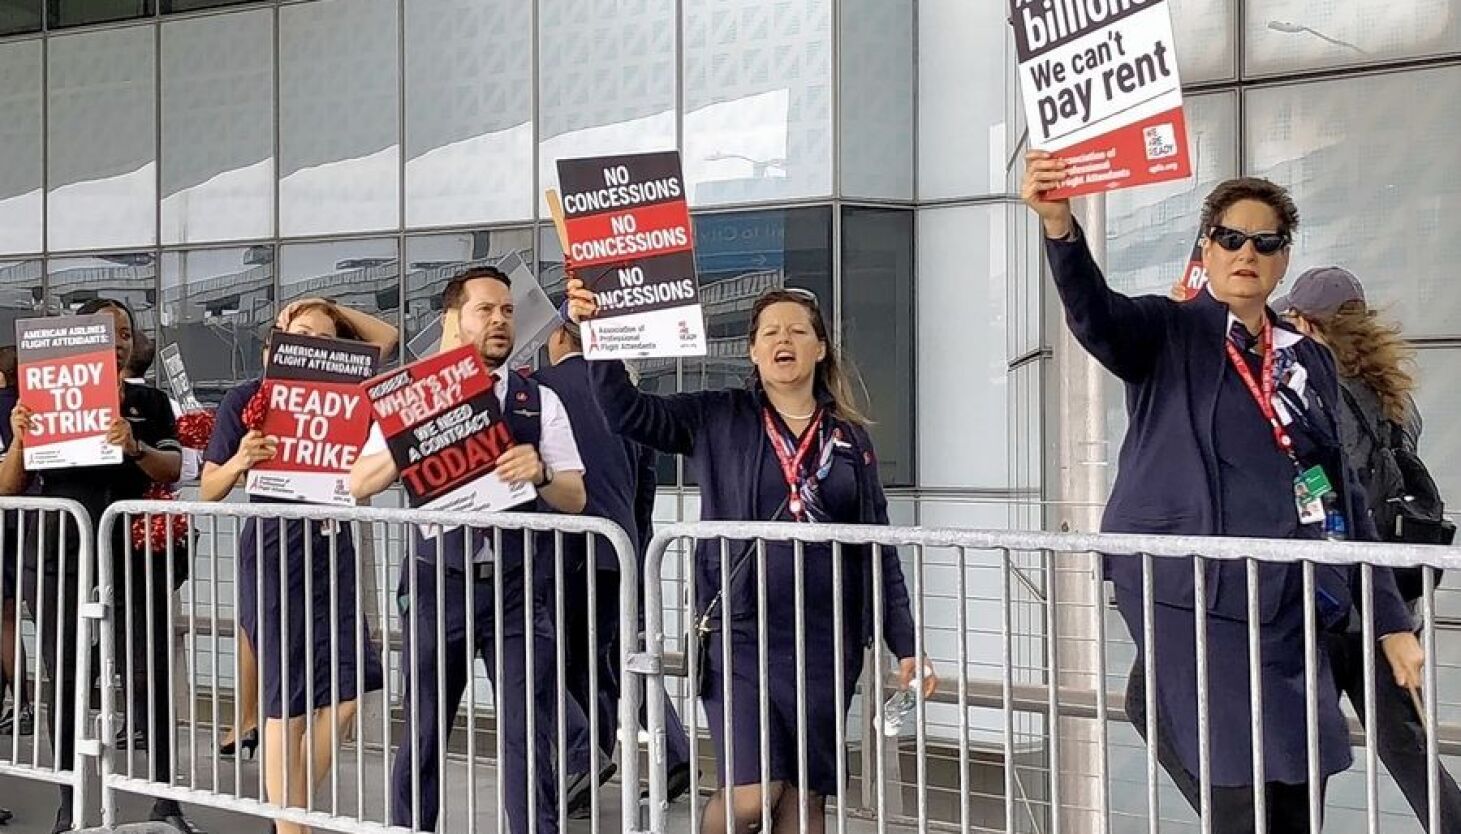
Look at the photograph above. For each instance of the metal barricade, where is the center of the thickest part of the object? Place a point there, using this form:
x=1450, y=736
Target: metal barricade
x=1031, y=750
x=46, y=583
x=284, y=581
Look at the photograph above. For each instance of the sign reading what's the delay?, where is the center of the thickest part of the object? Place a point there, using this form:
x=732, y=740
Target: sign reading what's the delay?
x=443, y=425
x=1101, y=90
x=625, y=227
x=68, y=379
x=318, y=415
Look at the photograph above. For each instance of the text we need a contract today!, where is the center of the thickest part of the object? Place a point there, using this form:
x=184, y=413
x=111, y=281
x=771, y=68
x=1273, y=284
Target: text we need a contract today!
x=1101, y=90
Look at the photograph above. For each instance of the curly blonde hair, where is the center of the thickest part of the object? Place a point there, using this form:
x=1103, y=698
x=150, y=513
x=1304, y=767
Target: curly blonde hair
x=1374, y=352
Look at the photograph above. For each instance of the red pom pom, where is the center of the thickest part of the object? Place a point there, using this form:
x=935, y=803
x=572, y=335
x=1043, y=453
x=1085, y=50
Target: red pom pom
x=159, y=529
x=257, y=408
x=195, y=428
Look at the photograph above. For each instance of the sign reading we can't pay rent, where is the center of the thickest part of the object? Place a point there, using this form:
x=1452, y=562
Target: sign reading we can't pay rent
x=1101, y=90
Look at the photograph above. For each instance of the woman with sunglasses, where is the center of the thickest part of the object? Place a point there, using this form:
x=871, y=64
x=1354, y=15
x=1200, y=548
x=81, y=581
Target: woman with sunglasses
x=1233, y=432
x=790, y=446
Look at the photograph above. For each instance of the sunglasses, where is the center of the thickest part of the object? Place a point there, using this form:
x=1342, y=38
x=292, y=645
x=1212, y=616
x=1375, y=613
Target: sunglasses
x=806, y=295
x=1264, y=243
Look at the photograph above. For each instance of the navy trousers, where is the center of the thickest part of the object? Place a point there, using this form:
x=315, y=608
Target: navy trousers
x=419, y=756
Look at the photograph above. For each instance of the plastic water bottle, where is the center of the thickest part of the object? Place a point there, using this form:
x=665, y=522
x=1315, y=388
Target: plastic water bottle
x=895, y=712
x=1336, y=528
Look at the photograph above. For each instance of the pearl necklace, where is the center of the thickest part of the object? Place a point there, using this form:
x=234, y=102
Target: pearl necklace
x=807, y=416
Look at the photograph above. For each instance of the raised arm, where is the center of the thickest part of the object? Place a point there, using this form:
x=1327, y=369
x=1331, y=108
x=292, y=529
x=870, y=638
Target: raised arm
x=1124, y=334
x=13, y=477
x=372, y=330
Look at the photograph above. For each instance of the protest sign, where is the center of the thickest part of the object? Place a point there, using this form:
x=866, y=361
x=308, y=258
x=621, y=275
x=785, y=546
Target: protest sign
x=1194, y=277
x=177, y=378
x=68, y=379
x=443, y=425
x=625, y=227
x=317, y=412
x=1101, y=90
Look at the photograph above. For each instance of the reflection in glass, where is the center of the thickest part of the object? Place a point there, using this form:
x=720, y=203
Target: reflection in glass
x=20, y=147
x=339, y=126
x=1203, y=30
x=433, y=260
x=1356, y=154
x=877, y=58
x=81, y=12
x=127, y=277
x=758, y=103
x=1288, y=35
x=218, y=128
x=877, y=327
x=961, y=142
x=20, y=295
x=469, y=128
x=363, y=274
x=102, y=137
x=614, y=90
x=20, y=16
x=169, y=6
x=218, y=307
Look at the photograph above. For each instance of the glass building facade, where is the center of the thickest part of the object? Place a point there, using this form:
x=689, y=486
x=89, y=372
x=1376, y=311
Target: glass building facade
x=210, y=160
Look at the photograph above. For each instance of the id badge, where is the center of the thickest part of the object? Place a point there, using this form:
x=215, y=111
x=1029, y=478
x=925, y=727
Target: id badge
x=1311, y=487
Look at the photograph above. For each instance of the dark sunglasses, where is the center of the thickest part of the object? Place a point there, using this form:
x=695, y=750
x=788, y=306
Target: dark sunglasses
x=1264, y=243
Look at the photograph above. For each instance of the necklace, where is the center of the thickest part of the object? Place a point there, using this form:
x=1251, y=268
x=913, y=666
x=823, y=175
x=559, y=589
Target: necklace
x=809, y=415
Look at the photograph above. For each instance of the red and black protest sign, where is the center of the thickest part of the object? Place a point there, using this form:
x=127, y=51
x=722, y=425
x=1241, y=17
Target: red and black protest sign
x=318, y=413
x=1101, y=90
x=1194, y=277
x=626, y=230
x=68, y=379
x=443, y=425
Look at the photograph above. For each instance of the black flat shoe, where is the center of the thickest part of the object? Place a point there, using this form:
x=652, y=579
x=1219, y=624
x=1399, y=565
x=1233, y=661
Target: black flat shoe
x=174, y=817
x=5, y=816
x=249, y=744
x=677, y=784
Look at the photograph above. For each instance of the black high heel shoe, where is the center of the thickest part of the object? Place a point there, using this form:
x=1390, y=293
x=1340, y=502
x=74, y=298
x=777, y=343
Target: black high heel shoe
x=249, y=744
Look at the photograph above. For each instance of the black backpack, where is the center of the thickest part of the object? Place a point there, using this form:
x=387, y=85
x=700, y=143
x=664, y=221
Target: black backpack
x=1407, y=505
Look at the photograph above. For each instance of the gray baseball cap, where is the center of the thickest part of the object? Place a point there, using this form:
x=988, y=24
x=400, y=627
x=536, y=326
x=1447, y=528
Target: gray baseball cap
x=1321, y=291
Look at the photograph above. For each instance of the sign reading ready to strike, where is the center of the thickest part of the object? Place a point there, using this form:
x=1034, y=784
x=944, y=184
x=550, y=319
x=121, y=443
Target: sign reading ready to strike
x=625, y=227
x=1099, y=79
x=68, y=379
x=319, y=416
x=443, y=425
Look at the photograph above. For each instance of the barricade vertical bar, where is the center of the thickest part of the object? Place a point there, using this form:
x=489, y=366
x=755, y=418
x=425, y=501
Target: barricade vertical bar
x=654, y=593
x=307, y=530
x=129, y=658
x=1432, y=752
x=191, y=642
x=149, y=611
x=879, y=696
x=1311, y=697
x=238, y=638
x=260, y=646
x=387, y=612
x=284, y=664
x=36, y=676
x=1007, y=674
x=18, y=683
x=1367, y=618
x=439, y=656
x=472, y=534
x=169, y=638
x=1255, y=679
x=497, y=697
x=727, y=777
x=529, y=703
x=1103, y=739
x=962, y=679
x=361, y=631
x=763, y=676
x=591, y=574
x=1149, y=689
x=1204, y=724
x=105, y=629
x=799, y=582
x=560, y=660
x=214, y=684
x=59, y=673
x=413, y=572
x=1052, y=640
x=653, y=692
x=839, y=684
x=920, y=720
x=332, y=587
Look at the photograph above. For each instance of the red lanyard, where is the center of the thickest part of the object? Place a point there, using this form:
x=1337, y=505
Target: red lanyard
x=791, y=467
x=1263, y=396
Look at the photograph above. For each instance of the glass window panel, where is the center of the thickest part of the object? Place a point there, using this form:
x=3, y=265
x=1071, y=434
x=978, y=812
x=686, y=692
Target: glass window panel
x=1203, y=30
x=18, y=16
x=657, y=376
x=877, y=61
x=1288, y=35
x=962, y=366
x=21, y=157
x=1366, y=161
x=339, y=121
x=758, y=104
x=129, y=277
x=877, y=328
x=362, y=274
x=218, y=128
x=103, y=140
x=469, y=113
x=433, y=260
x=20, y=295
x=611, y=87
x=961, y=88
x=1439, y=399
x=81, y=12
x=218, y=308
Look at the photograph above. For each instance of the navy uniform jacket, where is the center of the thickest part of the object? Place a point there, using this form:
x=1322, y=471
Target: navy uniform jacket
x=611, y=462
x=722, y=436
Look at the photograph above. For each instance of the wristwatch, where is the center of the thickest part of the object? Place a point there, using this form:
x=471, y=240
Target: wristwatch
x=135, y=456
x=547, y=477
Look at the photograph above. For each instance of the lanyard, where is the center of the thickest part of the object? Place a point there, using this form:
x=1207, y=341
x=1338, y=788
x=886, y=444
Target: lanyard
x=1263, y=395
x=791, y=466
